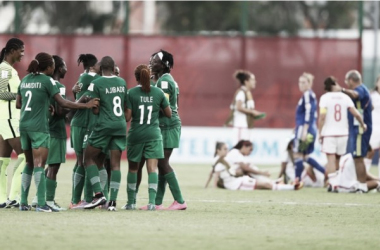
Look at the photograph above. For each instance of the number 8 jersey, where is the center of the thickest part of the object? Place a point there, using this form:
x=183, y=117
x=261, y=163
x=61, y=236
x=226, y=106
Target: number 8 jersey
x=112, y=92
x=145, y=109
x=36, y=91
x=336, y=105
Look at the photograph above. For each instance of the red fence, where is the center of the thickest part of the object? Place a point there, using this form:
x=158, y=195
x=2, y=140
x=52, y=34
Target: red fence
x=203, y=68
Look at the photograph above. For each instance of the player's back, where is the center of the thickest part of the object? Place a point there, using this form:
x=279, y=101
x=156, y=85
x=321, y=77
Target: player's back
x=336, y=105
x=112, y=92
x=145, y=112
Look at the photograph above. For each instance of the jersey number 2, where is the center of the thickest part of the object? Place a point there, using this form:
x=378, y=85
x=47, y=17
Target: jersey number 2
x=29, y=95
x=142, y=108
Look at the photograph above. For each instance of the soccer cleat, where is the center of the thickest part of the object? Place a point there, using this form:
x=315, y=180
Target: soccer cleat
x=129, y=207
x=177, y=206
x=112, y=206
x=45, y=208
x=24, y=207
x=97, y=201
x=151, y=207
x=3, y=205
x=11, y=204
x=158, y=207
x=54, y=206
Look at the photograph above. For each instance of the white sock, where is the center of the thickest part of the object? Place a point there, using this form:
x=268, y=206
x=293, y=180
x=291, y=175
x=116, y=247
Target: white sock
x=363, y=186
x=367, y=163
x=282, y=187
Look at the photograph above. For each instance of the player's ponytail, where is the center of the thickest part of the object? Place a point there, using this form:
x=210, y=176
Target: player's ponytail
x=2, y=55
x=13, y=43
x=329, y=82
x=242, y=76
x=142, y=75
x=40, y=63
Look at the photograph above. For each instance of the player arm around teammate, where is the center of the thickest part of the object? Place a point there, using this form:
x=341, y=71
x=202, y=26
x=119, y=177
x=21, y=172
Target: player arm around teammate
x=9, y=122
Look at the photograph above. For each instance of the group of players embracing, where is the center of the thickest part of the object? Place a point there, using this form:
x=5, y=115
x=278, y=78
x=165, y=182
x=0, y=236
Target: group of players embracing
x=99, y=135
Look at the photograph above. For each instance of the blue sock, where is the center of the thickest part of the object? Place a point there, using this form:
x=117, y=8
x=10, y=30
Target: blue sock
x=315, y=165
x=299, y=167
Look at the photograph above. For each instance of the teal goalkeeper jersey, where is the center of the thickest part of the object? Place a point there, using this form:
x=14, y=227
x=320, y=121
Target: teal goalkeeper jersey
x=170, y=87
x=57, y=125
x=145, y=109
x=36, y=91
x=80, y=118
x=112, y=92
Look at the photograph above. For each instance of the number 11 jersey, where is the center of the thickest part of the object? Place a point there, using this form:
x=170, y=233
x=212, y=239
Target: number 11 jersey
x=145, y=109
x=336, y=105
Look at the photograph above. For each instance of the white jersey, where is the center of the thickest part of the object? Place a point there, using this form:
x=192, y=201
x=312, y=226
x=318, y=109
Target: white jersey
x=337, y=104
x=240, y=119
x=345, y=181
x=375, y=96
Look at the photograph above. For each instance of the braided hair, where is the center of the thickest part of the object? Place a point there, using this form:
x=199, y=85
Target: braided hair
x=88, y=60
x=13, y=43
x=166, y=59
x=40, y=63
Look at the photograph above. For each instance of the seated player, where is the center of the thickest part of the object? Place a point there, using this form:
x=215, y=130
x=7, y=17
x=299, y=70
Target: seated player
x=345, y=180
x=310, y=177
x=233, y=172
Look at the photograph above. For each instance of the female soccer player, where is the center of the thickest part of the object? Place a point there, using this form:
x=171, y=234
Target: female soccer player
x=161, y=63
x=375, y=137
x=109, y=132
x=306, y=126
x=243, y=107
x=9, y=122
x=33, y=97
x=79, y=125
x=144, y=137
x=58, y=135
x=234, y=172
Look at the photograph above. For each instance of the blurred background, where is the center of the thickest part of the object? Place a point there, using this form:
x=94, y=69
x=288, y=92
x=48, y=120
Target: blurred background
x=277, y=41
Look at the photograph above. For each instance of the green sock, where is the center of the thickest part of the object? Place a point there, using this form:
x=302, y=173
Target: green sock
x=160, y=189
x=131, y=187
x=39, y=180
x=137, y=190
x=51, y=186
x=115, y=184
x=78, y=182
x=72, y=181
x=152, y=187
x=174, y=187
x=93, y=176
x=103, y=176
x=88, y=193
x=15, y=191
x=4, y=162
x=26, y=179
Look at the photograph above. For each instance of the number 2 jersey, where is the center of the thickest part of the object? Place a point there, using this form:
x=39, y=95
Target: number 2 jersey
x=36, y=91
x=145, y=109
x=112, y=92
x=336, y=105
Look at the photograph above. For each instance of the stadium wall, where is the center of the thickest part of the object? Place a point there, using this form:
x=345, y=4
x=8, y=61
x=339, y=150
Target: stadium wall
x=204, y=66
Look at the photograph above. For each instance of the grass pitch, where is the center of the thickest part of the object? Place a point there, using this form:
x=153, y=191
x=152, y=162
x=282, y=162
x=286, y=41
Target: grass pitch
x=215, y=219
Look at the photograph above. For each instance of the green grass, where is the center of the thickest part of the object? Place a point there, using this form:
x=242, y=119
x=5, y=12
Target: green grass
x=215, y=219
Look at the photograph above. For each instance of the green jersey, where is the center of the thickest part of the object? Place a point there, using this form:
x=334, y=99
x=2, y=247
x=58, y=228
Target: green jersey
x=170, y=87
x=35, y=92
x=57, y=123
x=145, y=109
x=112, y=92
x=80, y=118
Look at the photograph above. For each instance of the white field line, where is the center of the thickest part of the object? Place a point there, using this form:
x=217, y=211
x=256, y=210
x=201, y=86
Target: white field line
x=291, y=203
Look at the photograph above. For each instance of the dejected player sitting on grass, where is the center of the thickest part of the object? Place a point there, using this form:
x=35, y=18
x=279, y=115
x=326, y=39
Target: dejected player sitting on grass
x=233, y=171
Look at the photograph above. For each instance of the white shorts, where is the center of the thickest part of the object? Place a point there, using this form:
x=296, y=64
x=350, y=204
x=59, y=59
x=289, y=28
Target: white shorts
x=241, y=134
x=335, y=145
x=9, y=128
x=375, y=139
x=239, y=183
x=345, y=180
x=247, y=184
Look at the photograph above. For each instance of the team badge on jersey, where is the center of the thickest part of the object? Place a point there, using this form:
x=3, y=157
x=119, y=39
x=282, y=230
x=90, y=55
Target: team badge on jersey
x=4, y=74
x=91, y=87
x=164, y=84
x=62, y=91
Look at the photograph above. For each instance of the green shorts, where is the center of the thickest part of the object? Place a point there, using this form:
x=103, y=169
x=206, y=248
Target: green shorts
x=150, y=150
x=171, y=137
x=77, y=136
x=31, y=140
x=106, y=142
x=85, y=143
x=57, y=151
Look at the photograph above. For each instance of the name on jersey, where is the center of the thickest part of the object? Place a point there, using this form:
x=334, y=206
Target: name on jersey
x=31, y=85
x=146, y=98
x=113, y=90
